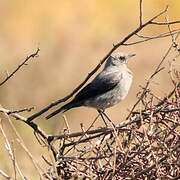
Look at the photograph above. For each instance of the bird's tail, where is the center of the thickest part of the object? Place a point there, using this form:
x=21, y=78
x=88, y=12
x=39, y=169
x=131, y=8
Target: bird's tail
x=63, y=109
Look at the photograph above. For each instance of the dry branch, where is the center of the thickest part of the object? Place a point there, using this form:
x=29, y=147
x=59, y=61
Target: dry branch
x=140, y=12
x=10, y=150
x=37, y=130
x=4, y=175
x=35, y=54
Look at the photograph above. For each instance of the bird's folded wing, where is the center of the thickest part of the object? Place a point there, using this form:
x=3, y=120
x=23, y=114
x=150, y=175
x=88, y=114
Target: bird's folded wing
x=100, y=85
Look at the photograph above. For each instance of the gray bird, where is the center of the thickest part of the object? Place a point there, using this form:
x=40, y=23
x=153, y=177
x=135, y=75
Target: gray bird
x=108, y=88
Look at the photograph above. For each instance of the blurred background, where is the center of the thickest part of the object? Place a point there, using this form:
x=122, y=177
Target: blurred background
x=73, y=37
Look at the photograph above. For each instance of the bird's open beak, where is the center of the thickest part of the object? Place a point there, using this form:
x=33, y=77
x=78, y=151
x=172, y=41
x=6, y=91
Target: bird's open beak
x=131, y=55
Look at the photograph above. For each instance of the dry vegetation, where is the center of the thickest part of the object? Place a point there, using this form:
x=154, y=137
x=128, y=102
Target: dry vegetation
x=144, y=146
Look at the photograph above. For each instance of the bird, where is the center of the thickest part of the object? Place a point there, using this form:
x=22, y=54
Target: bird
x=107, y=89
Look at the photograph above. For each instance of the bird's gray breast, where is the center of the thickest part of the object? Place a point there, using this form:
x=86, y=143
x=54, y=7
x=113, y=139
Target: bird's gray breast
x=115, y=95
x=124, y=84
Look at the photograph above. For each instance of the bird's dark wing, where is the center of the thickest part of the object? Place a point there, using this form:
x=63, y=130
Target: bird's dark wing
x=89, y=91
x=100, y=85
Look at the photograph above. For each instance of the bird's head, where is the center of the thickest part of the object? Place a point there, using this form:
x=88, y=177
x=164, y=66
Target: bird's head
x=117, y=59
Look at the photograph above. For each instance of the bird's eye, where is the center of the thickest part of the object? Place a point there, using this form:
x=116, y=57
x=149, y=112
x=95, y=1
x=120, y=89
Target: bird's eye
x=121, y=57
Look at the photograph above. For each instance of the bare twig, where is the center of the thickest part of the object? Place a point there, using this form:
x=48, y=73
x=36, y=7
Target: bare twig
x=4, y=175
x=34, y=126
x=164, y=23
x=21, y=142
x=35, y=54
x=140, y=12
x=20, y=110
x=145, y=39
x=168, y=96
x=82, y=135
x=37, y=167
x=105, y=130
x=11, y=153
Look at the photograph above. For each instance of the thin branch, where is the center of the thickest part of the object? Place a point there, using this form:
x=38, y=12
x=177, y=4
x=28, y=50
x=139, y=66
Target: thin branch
x=84, y=134
x=4, y=175
x=21, y=110
x=36, y=165
x=175, y=45
x=74, y=143
x=141, y=12
x=105, y=130
x=35, y=54
x=145, y=39
x=21, y=142
x=10, y=151
x=164, y=23
x=169, y=95
x=22, y=118
x=34, y=126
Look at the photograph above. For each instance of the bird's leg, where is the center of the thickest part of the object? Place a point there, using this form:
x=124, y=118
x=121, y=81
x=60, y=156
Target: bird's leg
x=101, y=114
